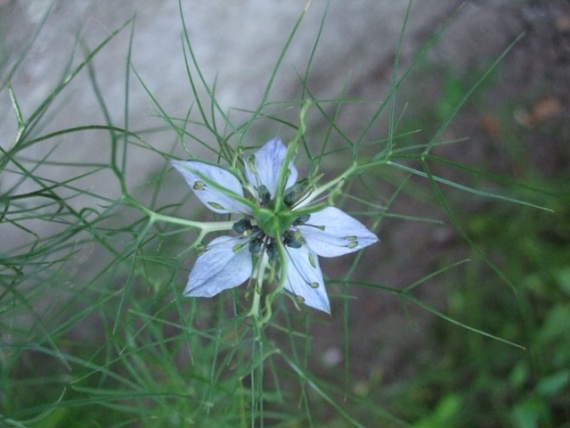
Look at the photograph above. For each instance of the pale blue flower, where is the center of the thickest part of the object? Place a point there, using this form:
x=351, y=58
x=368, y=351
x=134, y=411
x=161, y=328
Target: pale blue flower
x=229, y=261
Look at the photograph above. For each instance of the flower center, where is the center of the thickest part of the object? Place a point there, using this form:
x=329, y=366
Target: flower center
x=275, y=224
x=260, y=240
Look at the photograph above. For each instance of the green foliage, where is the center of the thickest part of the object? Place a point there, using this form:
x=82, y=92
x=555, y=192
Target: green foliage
x=474, y=381
x=526, y=388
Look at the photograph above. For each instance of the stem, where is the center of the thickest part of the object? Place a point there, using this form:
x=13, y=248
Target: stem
x=280, y=285
x=291, y=152
x=257, y=277
x=254, y=311
x=206, y=227
x=338, y=181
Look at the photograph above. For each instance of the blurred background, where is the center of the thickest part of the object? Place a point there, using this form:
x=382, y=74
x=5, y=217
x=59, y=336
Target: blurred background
x=418, y=367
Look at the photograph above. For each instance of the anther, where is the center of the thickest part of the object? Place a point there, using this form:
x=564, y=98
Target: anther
x=242, y=226
x=291, y=239
x=302, y=219
x=255, y=245
x=264, y=195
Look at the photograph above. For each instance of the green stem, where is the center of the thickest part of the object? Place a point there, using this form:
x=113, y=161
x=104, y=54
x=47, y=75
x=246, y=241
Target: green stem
x=291, y=152
x=337, y=182
x=281, y=284
x=206, y=227
x=254, y=311
x=257, y=276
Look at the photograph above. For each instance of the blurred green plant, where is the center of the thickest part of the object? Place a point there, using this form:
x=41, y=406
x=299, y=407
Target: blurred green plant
x=498, y=384
x=469, y=380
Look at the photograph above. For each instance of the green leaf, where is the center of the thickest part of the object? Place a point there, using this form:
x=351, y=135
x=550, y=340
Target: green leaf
x=553, y=384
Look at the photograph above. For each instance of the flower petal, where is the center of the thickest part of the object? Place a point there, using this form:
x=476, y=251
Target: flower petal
x=331, y=232
x=264, y=167
x=226, y=263
x=305, y=279
x=195, y=172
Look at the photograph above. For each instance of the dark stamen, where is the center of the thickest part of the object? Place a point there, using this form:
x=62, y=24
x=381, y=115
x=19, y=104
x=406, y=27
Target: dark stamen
x=291, y=240
x=264, y=195
x=242, y=225
x=302, y=219
x=294, y=193
x=255, y=245
x=271, y=250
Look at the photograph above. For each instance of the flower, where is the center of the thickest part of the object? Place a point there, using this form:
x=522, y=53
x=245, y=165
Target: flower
x=276, y=219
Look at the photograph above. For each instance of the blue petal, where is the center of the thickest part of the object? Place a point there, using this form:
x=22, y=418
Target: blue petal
x=226, y=263
x=305, y=279
x=267, y=163
x=331, y=233
x=201, y=177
